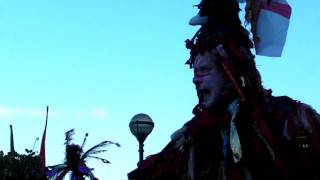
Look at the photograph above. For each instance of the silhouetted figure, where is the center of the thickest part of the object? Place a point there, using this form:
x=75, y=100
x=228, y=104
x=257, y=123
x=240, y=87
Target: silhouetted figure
x=239, y=130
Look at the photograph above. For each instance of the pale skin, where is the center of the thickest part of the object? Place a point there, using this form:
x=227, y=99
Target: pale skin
x=208, y=79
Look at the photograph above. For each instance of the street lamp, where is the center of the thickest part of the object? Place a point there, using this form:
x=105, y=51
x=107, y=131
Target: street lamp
x=141, y=126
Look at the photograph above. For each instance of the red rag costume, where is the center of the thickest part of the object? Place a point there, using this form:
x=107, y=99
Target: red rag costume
x=279, y=140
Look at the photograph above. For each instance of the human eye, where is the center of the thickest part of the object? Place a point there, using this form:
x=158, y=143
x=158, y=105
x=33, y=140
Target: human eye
x=205, y=69
x=202, y=71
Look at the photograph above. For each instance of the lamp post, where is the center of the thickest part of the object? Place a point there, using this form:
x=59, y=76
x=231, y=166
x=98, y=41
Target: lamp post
x=141, y=126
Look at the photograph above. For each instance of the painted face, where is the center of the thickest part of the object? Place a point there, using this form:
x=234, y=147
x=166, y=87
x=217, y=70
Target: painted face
x=208, y=79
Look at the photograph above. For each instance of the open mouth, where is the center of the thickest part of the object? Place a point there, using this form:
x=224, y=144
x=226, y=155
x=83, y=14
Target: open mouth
x=203, y=95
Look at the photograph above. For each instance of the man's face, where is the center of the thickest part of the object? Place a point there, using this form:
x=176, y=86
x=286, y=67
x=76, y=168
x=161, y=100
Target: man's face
x=208, y=79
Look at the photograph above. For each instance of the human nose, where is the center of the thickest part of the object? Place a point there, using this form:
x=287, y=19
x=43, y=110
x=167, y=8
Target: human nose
x=197, y=80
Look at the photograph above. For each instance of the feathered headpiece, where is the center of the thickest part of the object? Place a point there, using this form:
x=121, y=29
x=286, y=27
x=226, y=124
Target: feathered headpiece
x=75, y=160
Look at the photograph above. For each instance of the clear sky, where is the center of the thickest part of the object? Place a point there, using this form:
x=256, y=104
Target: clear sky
x=98, y=63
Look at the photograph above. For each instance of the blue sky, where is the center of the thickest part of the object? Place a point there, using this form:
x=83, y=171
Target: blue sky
x=98, y=63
